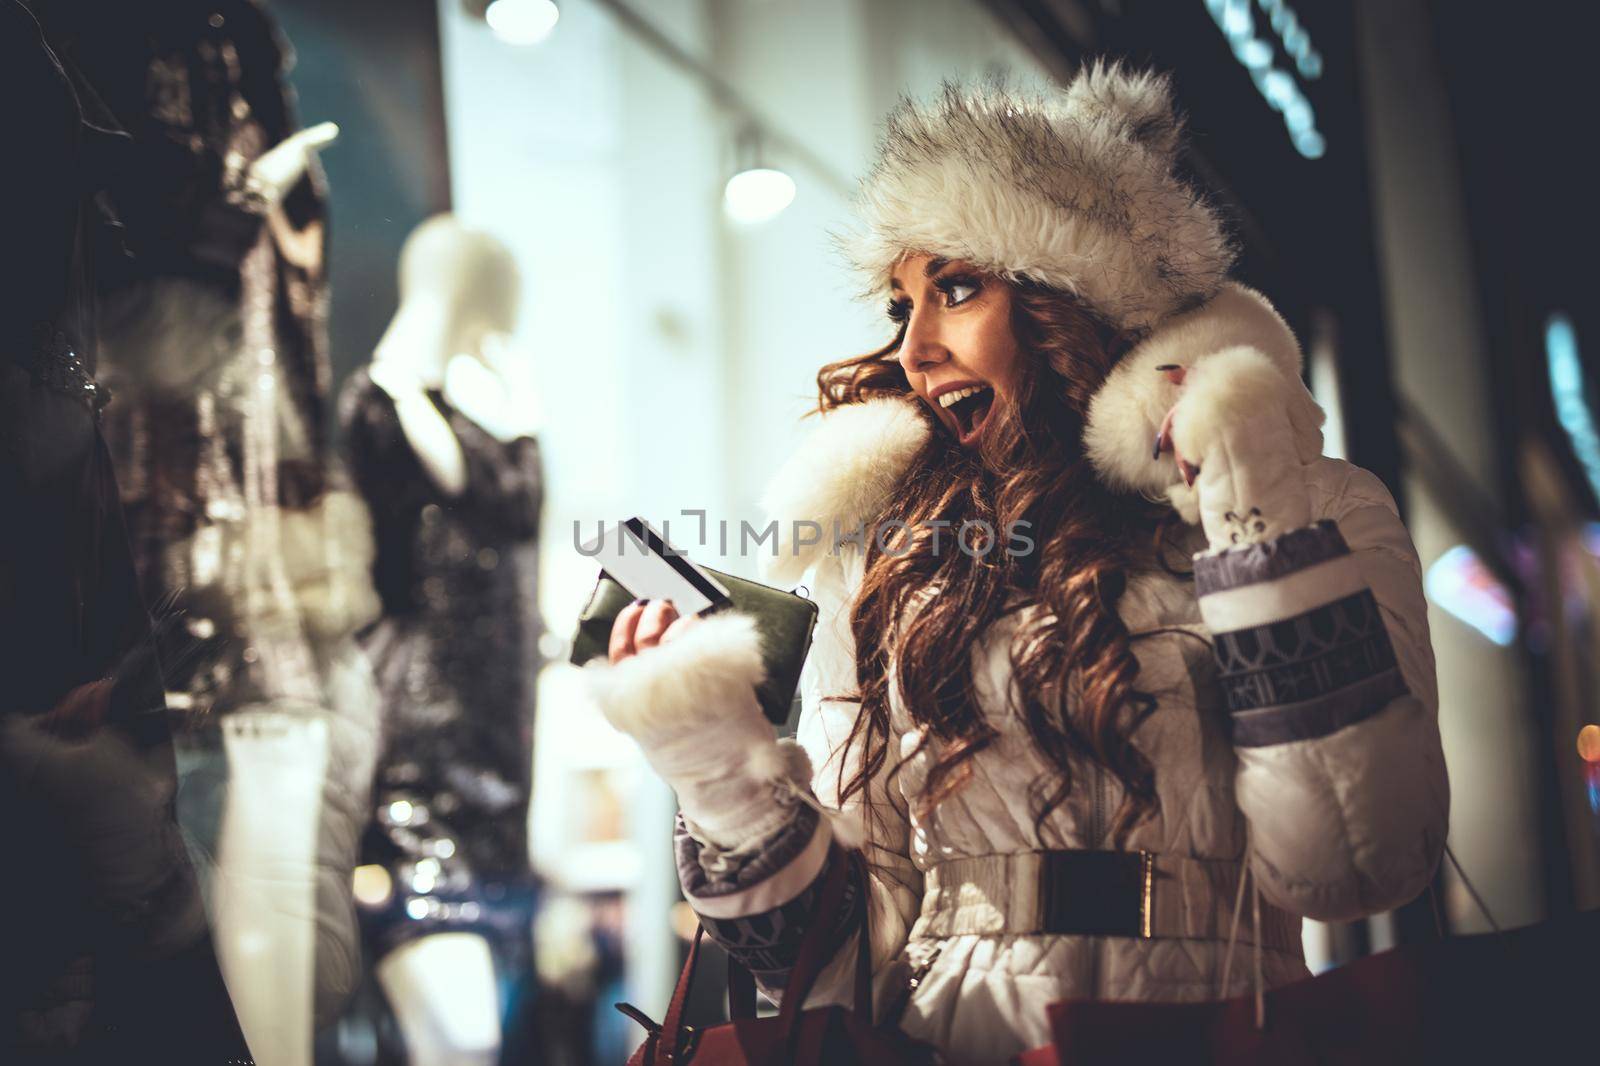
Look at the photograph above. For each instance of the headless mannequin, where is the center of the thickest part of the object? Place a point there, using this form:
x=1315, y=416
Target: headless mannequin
x=284, y=930
x=459, y=290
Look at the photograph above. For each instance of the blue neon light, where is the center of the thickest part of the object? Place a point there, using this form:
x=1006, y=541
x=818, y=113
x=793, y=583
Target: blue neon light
x=1277, y=87
x=1566, y=386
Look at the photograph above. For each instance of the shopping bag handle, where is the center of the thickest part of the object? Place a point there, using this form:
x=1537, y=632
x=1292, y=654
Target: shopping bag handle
x=816, y=949
x=1472, y=891
x=672, y=1035
x=741, y=985
x=1233, y=931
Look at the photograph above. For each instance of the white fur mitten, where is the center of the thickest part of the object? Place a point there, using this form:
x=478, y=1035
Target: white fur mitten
x=1244, y=429
x=691, y=704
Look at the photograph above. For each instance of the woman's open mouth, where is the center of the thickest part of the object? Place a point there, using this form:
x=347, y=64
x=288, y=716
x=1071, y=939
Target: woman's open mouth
x=969, y=406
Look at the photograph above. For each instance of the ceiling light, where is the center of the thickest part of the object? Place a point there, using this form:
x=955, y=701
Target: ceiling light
x=757, y=194
x=522, y=21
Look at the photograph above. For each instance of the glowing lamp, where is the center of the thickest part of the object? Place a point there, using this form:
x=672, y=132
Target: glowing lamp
x=522, y=21
x=757, y=194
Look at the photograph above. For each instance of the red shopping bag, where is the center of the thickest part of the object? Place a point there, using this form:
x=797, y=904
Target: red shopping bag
x=1523, y=996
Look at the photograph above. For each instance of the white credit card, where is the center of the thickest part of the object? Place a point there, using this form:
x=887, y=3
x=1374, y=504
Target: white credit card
x=640, y=560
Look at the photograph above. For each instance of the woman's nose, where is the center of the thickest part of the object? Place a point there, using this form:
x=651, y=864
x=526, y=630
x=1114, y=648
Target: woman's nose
x=921, y=349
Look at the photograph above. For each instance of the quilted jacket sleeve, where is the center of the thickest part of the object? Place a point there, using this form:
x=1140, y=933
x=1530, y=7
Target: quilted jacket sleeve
x=1321, y=640
x=756, y=901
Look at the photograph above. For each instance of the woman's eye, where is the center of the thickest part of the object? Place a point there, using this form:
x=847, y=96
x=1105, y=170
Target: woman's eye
x=899, y=310
x=958, y=292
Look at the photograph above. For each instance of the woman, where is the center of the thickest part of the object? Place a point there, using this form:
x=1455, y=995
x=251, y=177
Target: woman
x=1193, y=646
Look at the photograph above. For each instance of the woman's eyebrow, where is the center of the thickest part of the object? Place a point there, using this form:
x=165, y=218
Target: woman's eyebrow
x=929, y=269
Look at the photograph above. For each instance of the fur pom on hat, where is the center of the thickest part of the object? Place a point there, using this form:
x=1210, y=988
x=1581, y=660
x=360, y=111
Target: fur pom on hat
x=1074, y=189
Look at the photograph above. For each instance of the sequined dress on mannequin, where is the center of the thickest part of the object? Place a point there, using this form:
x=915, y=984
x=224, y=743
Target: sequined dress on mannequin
x=455, y=662
x=215, y=335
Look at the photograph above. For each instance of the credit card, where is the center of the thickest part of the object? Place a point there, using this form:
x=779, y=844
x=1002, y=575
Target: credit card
x=639, y=559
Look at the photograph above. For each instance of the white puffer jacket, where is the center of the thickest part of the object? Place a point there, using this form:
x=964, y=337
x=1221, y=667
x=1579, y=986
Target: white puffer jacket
x=1333, y=768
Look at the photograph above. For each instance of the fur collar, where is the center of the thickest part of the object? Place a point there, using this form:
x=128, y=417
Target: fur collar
x=1125, y=414
x=841, y=476
x=852, y=461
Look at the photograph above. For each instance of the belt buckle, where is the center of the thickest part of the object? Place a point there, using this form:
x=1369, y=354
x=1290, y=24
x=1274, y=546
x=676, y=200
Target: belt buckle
x=1147, y=876
x=1098, y=893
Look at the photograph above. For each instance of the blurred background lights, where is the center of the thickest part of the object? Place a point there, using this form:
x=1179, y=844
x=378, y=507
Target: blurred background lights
x=371, y=885
x=1589, y=743
x=757, y=194
x=1253, y=53
x=1459, y=582
x=1278, y=87
x=1567, y=389
x=1296, y=41
x=1309, y=143
x=522, y=21
x=1589, y=752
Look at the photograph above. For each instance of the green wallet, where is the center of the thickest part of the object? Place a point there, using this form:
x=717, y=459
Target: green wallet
x=784, y=619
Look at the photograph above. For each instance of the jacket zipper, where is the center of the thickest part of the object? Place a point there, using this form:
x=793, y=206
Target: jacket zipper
x=1096, y=833
x=1098, y=818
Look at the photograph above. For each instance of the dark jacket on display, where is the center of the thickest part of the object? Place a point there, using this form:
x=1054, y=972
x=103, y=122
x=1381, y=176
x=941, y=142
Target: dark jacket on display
x=90, y=973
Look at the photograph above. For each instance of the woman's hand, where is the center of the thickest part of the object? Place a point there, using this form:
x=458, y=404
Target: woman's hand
x=684, y=687
x=644, y=624
x=1242, y=434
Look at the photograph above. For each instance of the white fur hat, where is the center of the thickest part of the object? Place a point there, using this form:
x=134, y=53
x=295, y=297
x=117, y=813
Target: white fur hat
x=1074, y=189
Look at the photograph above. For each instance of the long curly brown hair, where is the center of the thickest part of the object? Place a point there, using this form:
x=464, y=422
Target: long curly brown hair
x=1073, y=665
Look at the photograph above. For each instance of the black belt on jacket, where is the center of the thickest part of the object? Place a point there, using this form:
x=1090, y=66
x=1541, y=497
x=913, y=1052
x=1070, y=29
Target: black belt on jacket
x=1085, y=892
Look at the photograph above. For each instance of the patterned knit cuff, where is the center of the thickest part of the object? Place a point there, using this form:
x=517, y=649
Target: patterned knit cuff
x=767, y=942
x=1268, y=561
x=767, y=872
x=1299, y=640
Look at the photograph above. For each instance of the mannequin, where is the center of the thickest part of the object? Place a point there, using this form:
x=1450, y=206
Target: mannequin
x=443, y=991
x=296, y=772
x=300, y=764
x=440, y=433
